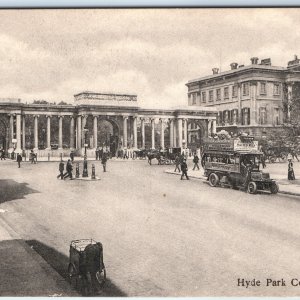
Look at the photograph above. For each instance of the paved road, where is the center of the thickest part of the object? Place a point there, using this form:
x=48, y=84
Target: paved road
x=161, y=236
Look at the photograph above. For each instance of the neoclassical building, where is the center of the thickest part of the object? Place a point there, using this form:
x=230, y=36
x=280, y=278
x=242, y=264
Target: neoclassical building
x=252, y=98
x=100, y=119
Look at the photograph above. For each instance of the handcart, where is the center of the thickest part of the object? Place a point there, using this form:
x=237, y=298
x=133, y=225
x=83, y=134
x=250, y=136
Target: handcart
x=86, y=264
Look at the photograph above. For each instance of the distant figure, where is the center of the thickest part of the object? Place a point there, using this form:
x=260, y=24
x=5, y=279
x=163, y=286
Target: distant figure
x=177, y=164
x=72, y=156
x=196, y=161
x=69, y=169
x=19, y=159
x=104, y=161
x=294, y=154
x=97, y=153
x=2, y=154
x=61, y=169
x=184, y=170
x=291, y=174
x=32, y=157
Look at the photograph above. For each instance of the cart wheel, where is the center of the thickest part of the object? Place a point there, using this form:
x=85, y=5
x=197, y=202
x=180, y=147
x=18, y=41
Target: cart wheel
x=101, y=276
x=213, y=179
x=274, y=188
x=252, y=188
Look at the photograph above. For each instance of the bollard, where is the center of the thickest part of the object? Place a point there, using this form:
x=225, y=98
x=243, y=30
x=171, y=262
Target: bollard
x=48, y=156
x=93, y=172
x=61, y=156
x=77, y=170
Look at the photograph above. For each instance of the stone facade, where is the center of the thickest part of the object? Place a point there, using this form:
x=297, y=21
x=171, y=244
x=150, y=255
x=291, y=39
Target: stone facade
x=98, y=119
x=248, y=98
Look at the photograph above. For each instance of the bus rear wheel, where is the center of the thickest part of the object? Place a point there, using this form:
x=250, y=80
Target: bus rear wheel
x=252, y=187
x=213, y=179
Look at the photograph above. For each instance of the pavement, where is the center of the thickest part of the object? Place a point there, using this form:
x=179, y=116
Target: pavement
x=23, y=271
x=285, y=186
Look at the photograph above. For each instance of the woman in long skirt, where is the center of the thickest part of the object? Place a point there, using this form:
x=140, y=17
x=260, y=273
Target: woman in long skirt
x=291, y=174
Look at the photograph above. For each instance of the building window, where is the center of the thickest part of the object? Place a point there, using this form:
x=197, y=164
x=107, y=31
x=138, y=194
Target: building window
x=203, y=97
x=211, y=96
x=262, y=115
x=263, y=89
x=246, y=89
x=276, y=90
x=234, y=91
x=194, y=98
x=218, y=94
x=226, y=92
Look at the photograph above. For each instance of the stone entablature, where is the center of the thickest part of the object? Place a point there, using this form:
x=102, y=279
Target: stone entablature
x=105, y=99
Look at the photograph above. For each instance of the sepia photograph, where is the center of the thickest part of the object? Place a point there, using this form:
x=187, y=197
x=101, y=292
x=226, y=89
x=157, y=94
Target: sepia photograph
x=150, y=152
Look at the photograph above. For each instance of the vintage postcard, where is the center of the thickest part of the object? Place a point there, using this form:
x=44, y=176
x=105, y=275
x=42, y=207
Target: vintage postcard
x=150, y=152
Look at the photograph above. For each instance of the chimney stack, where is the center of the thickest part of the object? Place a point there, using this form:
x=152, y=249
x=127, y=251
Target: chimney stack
x=215, y=70
x=233, y=66
x=254, y=60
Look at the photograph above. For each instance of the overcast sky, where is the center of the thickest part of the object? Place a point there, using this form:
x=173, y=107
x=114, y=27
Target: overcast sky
x=54, y=54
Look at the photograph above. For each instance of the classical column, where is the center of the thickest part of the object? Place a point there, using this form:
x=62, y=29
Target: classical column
x=289, y=100
x=214, y=127
x=135, y=132
x=84, y=119
x=162, y=134
x=60, y=137
x=18, y=131
x=171, y=133
x=48, y=132
x=125, y=131
x=23, y=133
x=152, y=133
x=185, y=137
x=11, y=126
x=179, y=130
x=95, y=131
x=143, y=132
x=36, y=135
x=209, y=128
x=72, y=133
x=78, y=139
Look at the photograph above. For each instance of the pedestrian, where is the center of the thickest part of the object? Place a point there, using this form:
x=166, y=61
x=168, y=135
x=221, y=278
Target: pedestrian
x=263, y=160
x=69, y=169
x=97, y=154
x=291, y=174
x=294, y=154
x=177, y=164
x=3, y=154
x=72, y=156
x=184, y=170
x=19, y=159
x=196, y=161
x=100, y=153
x=104, y=161
x=32, y=157
x=61, y=169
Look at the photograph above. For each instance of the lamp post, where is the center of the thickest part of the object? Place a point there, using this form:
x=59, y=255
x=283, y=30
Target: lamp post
x=85, y=166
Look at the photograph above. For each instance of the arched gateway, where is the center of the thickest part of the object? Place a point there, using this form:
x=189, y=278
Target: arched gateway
x=96, y=120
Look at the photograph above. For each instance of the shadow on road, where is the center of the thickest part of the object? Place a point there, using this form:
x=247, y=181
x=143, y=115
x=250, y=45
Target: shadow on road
x=12, y=190
x=59, y=262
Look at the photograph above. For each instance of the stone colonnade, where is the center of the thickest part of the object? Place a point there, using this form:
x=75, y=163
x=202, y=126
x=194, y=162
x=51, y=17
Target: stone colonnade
x=178, y=130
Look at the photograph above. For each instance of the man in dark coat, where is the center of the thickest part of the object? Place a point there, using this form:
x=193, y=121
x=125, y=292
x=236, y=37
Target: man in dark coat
x=184, y=170
x=72, y=156
x=177, y=163
x=69, y=169
x=19, y=159
x=103, y=161
x=61, y=169
x=196, y=161
x=291, y=174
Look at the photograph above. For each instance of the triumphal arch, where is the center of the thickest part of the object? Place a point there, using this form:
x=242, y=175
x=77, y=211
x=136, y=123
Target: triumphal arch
x=100, y=120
